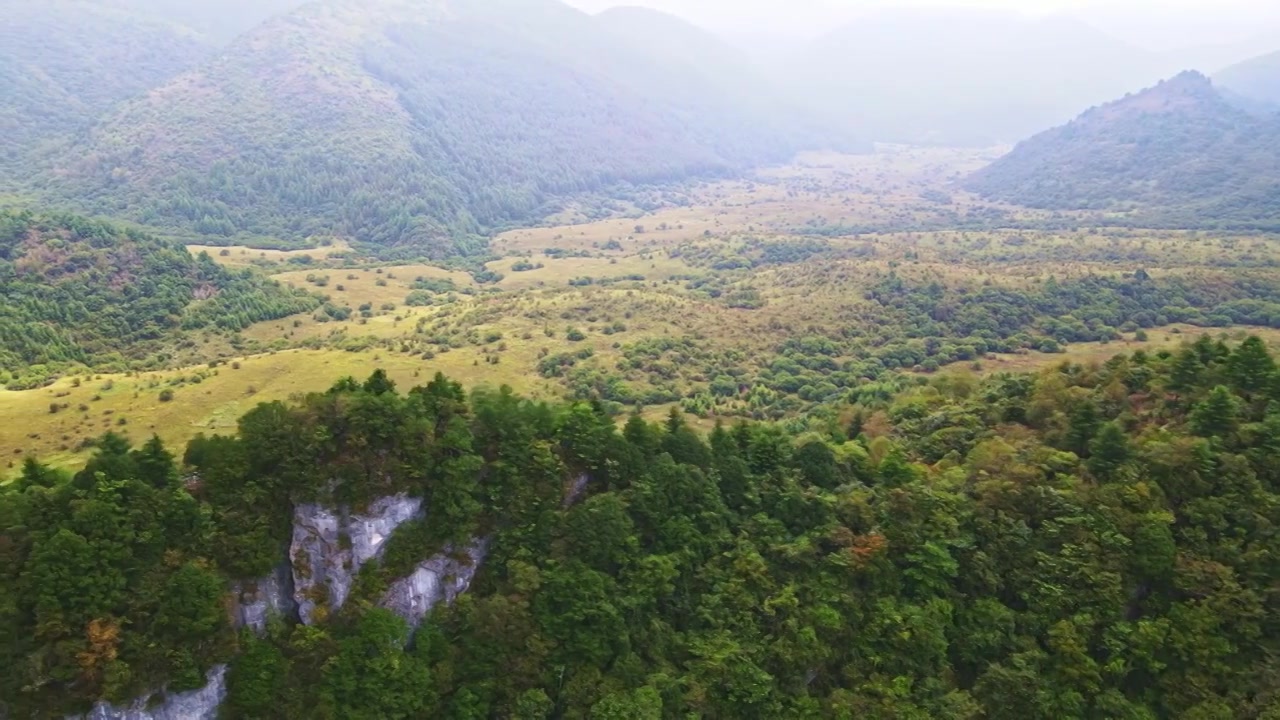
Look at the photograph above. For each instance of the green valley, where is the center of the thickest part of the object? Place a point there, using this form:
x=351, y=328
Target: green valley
x=542, y=360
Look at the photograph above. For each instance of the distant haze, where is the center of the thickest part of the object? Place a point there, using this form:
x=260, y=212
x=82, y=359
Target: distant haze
x=1153, y=24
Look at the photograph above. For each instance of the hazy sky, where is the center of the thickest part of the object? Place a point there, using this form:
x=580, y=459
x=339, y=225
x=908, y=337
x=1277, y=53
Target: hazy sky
x=1157, y=24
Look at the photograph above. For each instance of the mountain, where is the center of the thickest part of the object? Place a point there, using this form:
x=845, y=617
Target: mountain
x=1257, y=79
x=963, y=76
x=83, y=292
x=683, y=48
x=217, y=20
x=1177, y=154
x=411, y=124
x=64, y=62
x=683, y=44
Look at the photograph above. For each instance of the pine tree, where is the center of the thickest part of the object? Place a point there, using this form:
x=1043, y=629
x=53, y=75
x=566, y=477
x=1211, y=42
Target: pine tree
x=1085, y=420
x=1217, y=416
x=1108, y=452
x=1186, y=372
x=1251, y=366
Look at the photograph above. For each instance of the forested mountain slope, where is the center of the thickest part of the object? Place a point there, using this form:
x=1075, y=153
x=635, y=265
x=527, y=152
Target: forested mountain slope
x=410, y=124
x=1257, y=79
x=1175, y=155
x=1083, y=543
x=78, y=291
x=65, y=62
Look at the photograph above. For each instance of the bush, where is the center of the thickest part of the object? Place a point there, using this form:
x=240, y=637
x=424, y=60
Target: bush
x=166, y=396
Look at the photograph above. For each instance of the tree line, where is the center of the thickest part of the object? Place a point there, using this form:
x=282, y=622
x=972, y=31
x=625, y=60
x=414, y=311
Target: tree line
x=1087, y=542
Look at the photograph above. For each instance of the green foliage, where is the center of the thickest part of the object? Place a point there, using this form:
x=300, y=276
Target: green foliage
x=922, y=326
x=78, y=291
x=1176, y=155
x=1073, y=544
x=107, y=588
x=428, y=129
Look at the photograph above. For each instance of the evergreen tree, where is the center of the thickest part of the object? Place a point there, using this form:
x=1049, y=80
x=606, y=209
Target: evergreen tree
x=1108, y=451
x=1218, y=416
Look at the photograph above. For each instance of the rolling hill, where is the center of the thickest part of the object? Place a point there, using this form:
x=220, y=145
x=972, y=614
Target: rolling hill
x=1177, y=154
x=1257, y=79
x=65, y=62
x=970, y=77
x=411, y=125
x=88, y=293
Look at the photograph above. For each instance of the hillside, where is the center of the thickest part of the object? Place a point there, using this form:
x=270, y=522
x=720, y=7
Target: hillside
x=1086, y=542
x=1257, y=79
x=962, y=76
x=86, y=293
x=218, y=21
x=64, y=62
x=1175, y=155
x=410, y=125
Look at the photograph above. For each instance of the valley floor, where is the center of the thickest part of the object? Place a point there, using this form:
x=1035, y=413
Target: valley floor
x=760, y=298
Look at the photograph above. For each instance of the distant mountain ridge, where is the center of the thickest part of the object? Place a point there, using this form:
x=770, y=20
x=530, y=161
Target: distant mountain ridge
x=1257, y=80
x=1177, y=154
x=963, y=76
x=218, y=21
x=411, y=124
x=65, y=62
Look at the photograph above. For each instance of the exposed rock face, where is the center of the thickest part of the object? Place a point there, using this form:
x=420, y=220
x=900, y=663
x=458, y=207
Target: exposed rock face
x=263, y=598
x=440, y=578
x=575, y=491
x=330, y=546
x=201, y=704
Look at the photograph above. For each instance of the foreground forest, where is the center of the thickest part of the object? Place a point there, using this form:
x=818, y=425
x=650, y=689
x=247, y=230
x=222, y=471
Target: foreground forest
x=1087, y=542
x=467, y=359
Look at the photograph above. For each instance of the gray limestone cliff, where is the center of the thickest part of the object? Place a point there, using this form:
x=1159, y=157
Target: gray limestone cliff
x=266, y=597
x=440, y=578
x=200, y=704
x=331, y=545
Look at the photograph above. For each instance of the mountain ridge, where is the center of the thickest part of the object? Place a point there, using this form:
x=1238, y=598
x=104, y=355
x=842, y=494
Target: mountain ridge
x=963, y=76
x=409, y=124
x=1176, y=154
x=64, y=62
x=1257, y=79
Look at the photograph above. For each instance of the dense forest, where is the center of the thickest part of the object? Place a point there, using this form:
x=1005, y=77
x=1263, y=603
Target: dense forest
x=414, y=126
x=1089, y=542
x=1175, y=155
x=80, y=292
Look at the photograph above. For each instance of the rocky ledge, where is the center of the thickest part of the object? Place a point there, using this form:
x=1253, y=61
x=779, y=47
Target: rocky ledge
x=331, y=545
x=440, y=578
x=201, y=704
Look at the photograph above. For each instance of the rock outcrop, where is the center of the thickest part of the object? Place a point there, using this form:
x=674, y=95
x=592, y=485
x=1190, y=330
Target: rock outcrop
x=266, y=597
x=575, y=491
x=200, y=704
x=440, y=578
x=330, y=546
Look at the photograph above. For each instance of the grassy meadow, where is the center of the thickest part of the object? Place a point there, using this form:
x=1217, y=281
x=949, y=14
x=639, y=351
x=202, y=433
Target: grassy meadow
x=646, y=309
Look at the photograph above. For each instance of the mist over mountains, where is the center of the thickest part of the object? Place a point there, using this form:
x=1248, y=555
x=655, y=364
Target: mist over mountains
x=411, y=123
x=426, y=124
